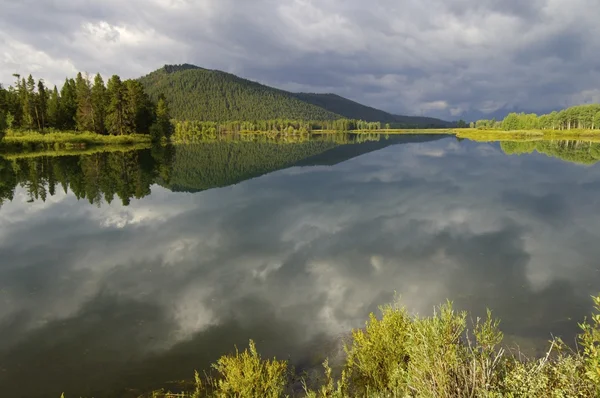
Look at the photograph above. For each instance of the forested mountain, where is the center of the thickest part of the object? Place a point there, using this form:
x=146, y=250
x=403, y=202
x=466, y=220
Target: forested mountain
x=195, y=93
x=200, y=94
x=353, y=110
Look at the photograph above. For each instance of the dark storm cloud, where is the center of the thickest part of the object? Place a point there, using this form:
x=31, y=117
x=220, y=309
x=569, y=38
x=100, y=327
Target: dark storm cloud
x=443, y=58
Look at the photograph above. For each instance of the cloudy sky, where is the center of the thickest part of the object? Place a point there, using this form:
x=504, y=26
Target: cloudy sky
x=116, y=296
x=436, y=57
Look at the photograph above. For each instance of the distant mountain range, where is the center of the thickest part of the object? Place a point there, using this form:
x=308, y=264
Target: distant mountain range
x=196, y=93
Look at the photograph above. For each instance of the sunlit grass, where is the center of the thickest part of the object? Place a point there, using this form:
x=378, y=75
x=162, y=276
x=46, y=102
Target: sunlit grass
x=71, y=151
x=527, y=135
x=59, y=139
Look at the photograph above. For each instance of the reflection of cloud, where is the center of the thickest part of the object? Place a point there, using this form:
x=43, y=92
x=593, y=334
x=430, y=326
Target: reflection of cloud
x=294, y=259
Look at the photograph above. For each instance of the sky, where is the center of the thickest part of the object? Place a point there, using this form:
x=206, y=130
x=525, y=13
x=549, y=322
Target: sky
x=292, y=259
x=443, y=58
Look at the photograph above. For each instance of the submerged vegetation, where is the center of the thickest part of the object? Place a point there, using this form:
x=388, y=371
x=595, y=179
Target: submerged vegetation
x=405, y=355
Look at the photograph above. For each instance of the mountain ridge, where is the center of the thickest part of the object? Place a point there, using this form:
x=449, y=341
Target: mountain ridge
x=196, y=93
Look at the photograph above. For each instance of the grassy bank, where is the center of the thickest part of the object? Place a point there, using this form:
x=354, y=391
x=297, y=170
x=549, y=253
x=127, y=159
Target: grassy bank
x=527, y=135
x=402, y=355
x=31, y=140
x=72, y=151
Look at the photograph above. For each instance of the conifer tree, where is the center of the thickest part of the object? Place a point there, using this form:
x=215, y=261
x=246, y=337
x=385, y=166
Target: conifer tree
x=85, y=114
x=42, y=105
x=68, y=105
x=162, y=127
x=115, y=112
x=99, y=103
x=54, y=117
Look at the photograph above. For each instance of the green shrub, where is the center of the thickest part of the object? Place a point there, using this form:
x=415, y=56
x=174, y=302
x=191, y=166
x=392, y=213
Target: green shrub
x=247, y=375
x=406, y=356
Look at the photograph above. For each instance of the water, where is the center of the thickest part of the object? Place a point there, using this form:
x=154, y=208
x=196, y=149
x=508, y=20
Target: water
x=172, y=256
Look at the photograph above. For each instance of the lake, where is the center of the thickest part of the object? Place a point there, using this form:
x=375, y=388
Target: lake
x=123, y=271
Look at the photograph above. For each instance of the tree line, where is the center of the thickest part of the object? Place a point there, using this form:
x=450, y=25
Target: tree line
x=99, y=177
x=188, y=129
x=580, y=117
x=82, y=104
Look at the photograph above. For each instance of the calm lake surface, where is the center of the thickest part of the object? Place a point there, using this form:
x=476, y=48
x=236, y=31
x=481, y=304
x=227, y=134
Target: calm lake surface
x=122, y=271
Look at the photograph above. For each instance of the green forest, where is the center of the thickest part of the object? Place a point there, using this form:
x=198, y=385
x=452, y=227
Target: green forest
x=83, y=105
x=353, y=110
x=580, y=117
x=207, y=95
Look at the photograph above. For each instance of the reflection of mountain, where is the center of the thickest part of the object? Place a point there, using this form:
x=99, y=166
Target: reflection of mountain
x=219, y=162
x=222, y=163
x=581, y=152
x=346, y=152
x=203, y=166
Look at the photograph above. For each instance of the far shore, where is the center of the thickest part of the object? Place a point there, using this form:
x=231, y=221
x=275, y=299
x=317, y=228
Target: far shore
x=20, y=143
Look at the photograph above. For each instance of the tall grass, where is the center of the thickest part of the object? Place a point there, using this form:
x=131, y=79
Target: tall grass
x=29, y=140
x=404, y=355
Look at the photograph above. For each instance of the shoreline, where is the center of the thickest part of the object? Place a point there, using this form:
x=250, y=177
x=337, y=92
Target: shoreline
x=29, y=140
x=19, y=144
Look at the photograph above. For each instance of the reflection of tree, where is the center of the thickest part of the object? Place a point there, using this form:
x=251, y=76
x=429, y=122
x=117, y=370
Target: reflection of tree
x=213, y=162
x=8, y=180
x=97, y=177
x=581, y=152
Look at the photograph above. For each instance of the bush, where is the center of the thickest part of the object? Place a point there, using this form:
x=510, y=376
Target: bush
x=402, y=355
x=247, y=375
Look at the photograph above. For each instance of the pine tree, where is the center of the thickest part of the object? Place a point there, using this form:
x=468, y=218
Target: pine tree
x=26, y=120
x=42, y=105
x=99, y=101
x=139, y=109
x=32, y=104
x=54, y=116
x=68, y=105
x=115, y=123
x=85, y=115
x=162, y=126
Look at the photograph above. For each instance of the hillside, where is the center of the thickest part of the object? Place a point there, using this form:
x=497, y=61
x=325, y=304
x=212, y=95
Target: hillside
x=353, y=110
x=201, y=94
